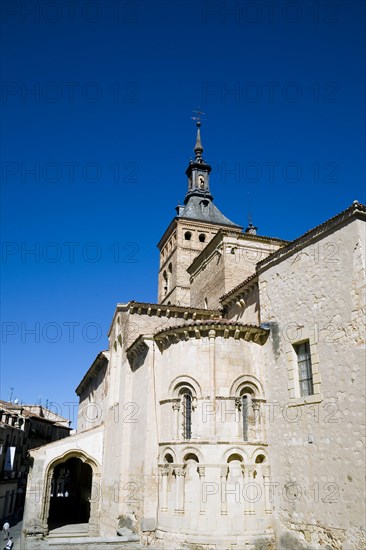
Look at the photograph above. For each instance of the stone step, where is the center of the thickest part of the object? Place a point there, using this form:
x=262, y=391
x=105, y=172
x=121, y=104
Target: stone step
x=92, y=543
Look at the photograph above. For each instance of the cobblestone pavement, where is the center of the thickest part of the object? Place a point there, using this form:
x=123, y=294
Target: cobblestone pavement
x=16, y=531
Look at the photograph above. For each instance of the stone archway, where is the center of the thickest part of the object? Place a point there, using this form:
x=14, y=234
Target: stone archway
x=71, y=488
x=72, y=492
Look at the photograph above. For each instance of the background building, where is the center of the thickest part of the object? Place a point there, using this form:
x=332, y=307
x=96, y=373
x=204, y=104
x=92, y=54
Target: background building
x=22, y=427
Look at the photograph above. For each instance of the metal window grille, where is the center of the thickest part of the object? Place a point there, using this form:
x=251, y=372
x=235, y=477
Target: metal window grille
x=187, y=416
x=244, y=403
x=305, y=370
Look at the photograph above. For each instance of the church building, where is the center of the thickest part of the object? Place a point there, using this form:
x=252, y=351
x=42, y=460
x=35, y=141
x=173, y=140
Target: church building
x=230, y=414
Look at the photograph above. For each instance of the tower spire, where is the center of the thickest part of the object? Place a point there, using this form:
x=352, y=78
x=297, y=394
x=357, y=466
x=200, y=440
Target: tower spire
x=198, y=171
x=198, y=148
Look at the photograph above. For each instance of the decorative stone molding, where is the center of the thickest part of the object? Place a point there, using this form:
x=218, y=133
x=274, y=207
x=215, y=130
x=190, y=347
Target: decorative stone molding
x=180, y=471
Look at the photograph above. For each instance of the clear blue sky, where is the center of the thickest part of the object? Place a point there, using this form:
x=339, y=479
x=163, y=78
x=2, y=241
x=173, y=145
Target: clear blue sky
x=108, y=134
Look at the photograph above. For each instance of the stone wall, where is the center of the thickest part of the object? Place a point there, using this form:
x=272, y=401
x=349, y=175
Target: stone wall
x=226, y=262
x=316, y=443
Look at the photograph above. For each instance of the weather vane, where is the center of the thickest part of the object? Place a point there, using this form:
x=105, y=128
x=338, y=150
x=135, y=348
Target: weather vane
x=198, y=114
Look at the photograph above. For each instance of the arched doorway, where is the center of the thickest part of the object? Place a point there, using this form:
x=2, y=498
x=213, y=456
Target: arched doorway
x=71, y=489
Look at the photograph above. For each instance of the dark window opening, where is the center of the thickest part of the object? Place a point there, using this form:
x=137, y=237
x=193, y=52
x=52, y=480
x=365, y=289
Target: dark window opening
x=305, y=370
x=187, y=414
x=187, y=235
x=202, y=237
x=244, y=402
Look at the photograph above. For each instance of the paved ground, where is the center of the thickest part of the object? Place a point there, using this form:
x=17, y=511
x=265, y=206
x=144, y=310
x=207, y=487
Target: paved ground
x=16, y=529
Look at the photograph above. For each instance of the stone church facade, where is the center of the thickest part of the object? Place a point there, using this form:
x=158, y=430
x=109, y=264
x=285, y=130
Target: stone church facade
x=230, y=414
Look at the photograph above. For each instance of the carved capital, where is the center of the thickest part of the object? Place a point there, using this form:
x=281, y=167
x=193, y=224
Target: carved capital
x=180, y=471
x=256, y=404
x=224, y=471
x=164, y=469
x=176, y=404
x=201, y=471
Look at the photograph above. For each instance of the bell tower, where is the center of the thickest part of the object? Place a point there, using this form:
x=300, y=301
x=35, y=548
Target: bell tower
x=196, y=223
x=198, y=172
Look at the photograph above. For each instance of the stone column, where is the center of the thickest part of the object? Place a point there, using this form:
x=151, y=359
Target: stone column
x=194, y=418
x=176, y=408
x=212, y=352
x=179, y=489
x=239, y=428
x=247, y=493
x=257, y=419
x=252, y=491
x=223, y=477
x=164, y=471
x=267, y=489
x=201, y=473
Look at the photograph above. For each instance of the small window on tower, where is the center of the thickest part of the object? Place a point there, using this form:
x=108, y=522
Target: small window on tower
x=202, y=237
x=187, y=235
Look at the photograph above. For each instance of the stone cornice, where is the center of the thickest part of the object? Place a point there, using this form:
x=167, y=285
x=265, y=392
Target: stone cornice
x=164, y=310
x=192, y=442
x=100, y=361
x=239, y=293
x=211, y=329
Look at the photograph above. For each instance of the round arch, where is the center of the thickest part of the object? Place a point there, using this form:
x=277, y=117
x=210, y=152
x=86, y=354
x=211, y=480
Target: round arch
x=258, y=453
x=167, y=451
x=249, y=381
x=191, y=450
x=235, y=451
x=184, y=380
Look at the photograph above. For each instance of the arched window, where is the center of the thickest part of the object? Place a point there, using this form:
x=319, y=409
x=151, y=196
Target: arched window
x=202, y=237
x=165, y=282
x=187, y=413
x=247, y=411
x=187, y=235
x=184, y=391
x=169, y=277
